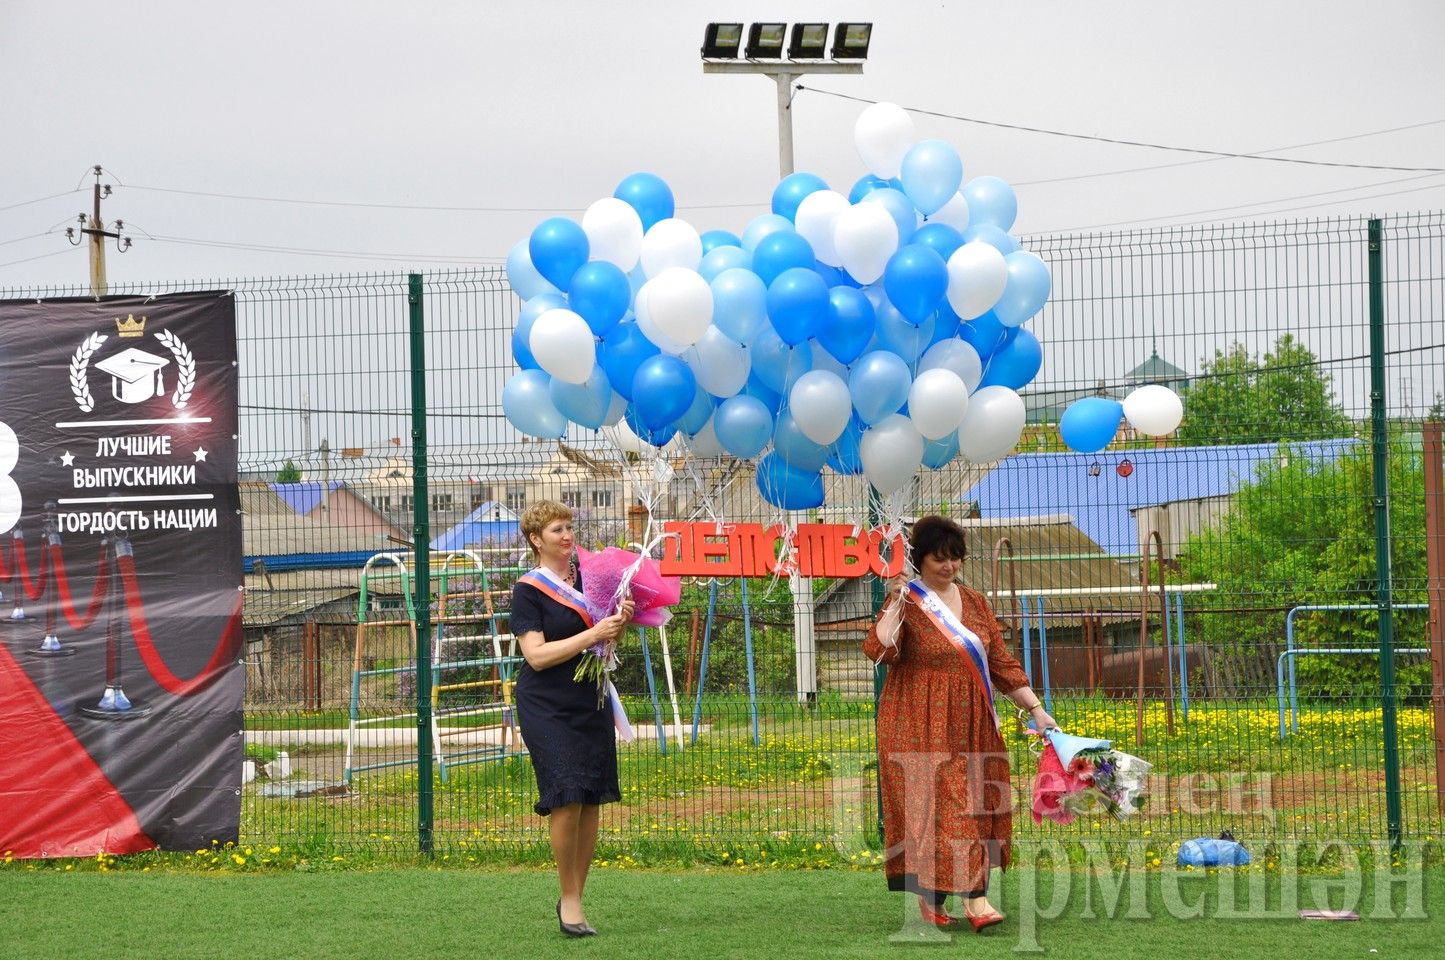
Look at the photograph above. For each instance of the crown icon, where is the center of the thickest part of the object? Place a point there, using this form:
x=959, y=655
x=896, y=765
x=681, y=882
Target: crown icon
x=130, y=326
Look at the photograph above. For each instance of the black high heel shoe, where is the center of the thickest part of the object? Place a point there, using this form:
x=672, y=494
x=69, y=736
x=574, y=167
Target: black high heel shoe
x=573, y=929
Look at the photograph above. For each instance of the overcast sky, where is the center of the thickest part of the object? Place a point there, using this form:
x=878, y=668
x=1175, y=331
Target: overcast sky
x=538, y=107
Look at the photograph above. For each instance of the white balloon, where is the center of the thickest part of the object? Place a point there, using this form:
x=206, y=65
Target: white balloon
x=865, y=237
x=621, y=435
x=936, y=403
x=1154, y=410
x=719, y=363
x=562, y=345
x=954, y=213
x=883, y=134
x=642, y=311
x=704, y=444
x=977, y=275
x=815, y=220
x=991, y=425
x=614, y=232
x=677, y=303
x=670, y=243
x=892, y=452
x=821, y=406
x=956, y=355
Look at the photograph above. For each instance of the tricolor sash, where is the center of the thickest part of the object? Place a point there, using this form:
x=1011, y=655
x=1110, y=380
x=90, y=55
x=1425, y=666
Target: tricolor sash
x=570, y=597
x=964, y=640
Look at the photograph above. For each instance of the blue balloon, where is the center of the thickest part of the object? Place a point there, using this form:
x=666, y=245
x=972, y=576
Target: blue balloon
x=991, y=201
x=585, y=404
x=1015, y=363
x=600, y=293
x=719, y=259
x=779, y=251
x=522, y=332
x=849, y=325
x=798, y=304
x=1028, y=288
x=758, y=390
x=622, y=352
x=985, y=334
x=898, y=335
x=937, y=453
x=527, y=403
x=658, y=436
x=786, y=486
x=739, y=304
x=791, y=190
x=868, y=183
x=695, y=417
x=713, y=239
x=743, y=426
x=916, y=279
x=945, y=323
x=1000, y=240
x=649, y=195
x=878, y=384
x=777, y=364
x=790, y=443
x=1089, y=425
x=558, y=247
x=846, y=454
x=900, y=208
x=940, y=238
x=525, y=280
x=762, y=225
x=662, y=389
x=931, y=173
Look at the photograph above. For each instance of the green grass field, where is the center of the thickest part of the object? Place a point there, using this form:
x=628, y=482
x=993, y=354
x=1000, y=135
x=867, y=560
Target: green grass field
x=405, y=913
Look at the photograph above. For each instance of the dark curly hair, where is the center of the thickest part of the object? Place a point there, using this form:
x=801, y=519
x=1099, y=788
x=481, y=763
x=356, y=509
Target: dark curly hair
x=938, y=536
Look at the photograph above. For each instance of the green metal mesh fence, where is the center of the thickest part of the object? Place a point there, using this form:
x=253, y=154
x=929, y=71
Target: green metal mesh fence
x=1252, y=682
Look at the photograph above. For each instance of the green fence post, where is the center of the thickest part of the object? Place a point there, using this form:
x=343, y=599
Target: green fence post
x=421, y=550
x=1380, y=454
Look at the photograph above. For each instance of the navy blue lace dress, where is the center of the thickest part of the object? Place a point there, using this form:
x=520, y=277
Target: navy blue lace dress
x=571, y=740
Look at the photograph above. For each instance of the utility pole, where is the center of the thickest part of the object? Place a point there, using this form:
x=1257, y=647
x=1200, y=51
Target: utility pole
x=94, y=228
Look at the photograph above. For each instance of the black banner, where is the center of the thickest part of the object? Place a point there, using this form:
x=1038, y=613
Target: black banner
x=120, y=565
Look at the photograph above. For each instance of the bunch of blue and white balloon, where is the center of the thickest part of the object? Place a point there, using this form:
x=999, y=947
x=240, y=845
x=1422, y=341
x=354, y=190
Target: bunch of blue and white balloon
x=871, y=333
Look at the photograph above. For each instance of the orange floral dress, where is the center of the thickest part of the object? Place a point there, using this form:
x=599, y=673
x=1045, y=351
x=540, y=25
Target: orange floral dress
x=947, y=802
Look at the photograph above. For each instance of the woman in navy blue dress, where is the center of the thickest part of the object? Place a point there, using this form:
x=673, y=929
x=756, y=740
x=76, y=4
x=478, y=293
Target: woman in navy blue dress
x=569, y=735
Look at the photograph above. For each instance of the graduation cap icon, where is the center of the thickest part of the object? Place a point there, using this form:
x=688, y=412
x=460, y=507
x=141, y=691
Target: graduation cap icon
x=135, y=376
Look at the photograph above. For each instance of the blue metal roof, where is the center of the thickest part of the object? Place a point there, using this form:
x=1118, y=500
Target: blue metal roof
x=1032, y=484
x=302, y=497
x=489, y=523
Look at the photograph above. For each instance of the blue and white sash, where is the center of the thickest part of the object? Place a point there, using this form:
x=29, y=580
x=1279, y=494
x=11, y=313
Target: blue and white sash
x=570, y=597
x=964, y=640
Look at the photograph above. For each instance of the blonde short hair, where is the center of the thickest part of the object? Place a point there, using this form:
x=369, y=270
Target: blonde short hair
x=541, y=515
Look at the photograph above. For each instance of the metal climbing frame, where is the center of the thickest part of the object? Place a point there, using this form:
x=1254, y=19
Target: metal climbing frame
x=464, y=611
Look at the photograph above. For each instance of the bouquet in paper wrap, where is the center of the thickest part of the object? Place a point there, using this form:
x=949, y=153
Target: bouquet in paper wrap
x=1078, y=775
x=610, y=576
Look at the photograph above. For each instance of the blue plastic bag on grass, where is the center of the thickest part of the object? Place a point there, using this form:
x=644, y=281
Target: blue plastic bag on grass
x=1209, y=852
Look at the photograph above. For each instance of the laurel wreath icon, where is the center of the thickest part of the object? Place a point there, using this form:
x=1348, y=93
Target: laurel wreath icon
x=79, y=362
x=185, y=367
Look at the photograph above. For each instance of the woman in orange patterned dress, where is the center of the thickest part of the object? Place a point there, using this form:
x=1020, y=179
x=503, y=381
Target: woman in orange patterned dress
x=947, y=804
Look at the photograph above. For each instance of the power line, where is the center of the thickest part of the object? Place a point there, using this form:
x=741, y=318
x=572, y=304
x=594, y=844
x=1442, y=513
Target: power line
x=406, y=206
x=42, y=256
x=33, y=236
x=343, y=254
x=1223, y=154
x=26, y=203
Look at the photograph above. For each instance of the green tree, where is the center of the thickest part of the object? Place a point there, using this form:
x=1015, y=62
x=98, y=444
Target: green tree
x=1304, y=533
x=290, y=473
x=1285, y=395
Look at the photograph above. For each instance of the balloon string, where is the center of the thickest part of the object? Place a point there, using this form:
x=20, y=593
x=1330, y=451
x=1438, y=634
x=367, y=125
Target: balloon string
x=224, y=655
x=62, y=587
x=22, y=565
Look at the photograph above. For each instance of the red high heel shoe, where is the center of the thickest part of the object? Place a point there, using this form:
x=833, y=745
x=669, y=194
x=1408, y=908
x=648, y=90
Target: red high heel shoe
x=943, y=921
